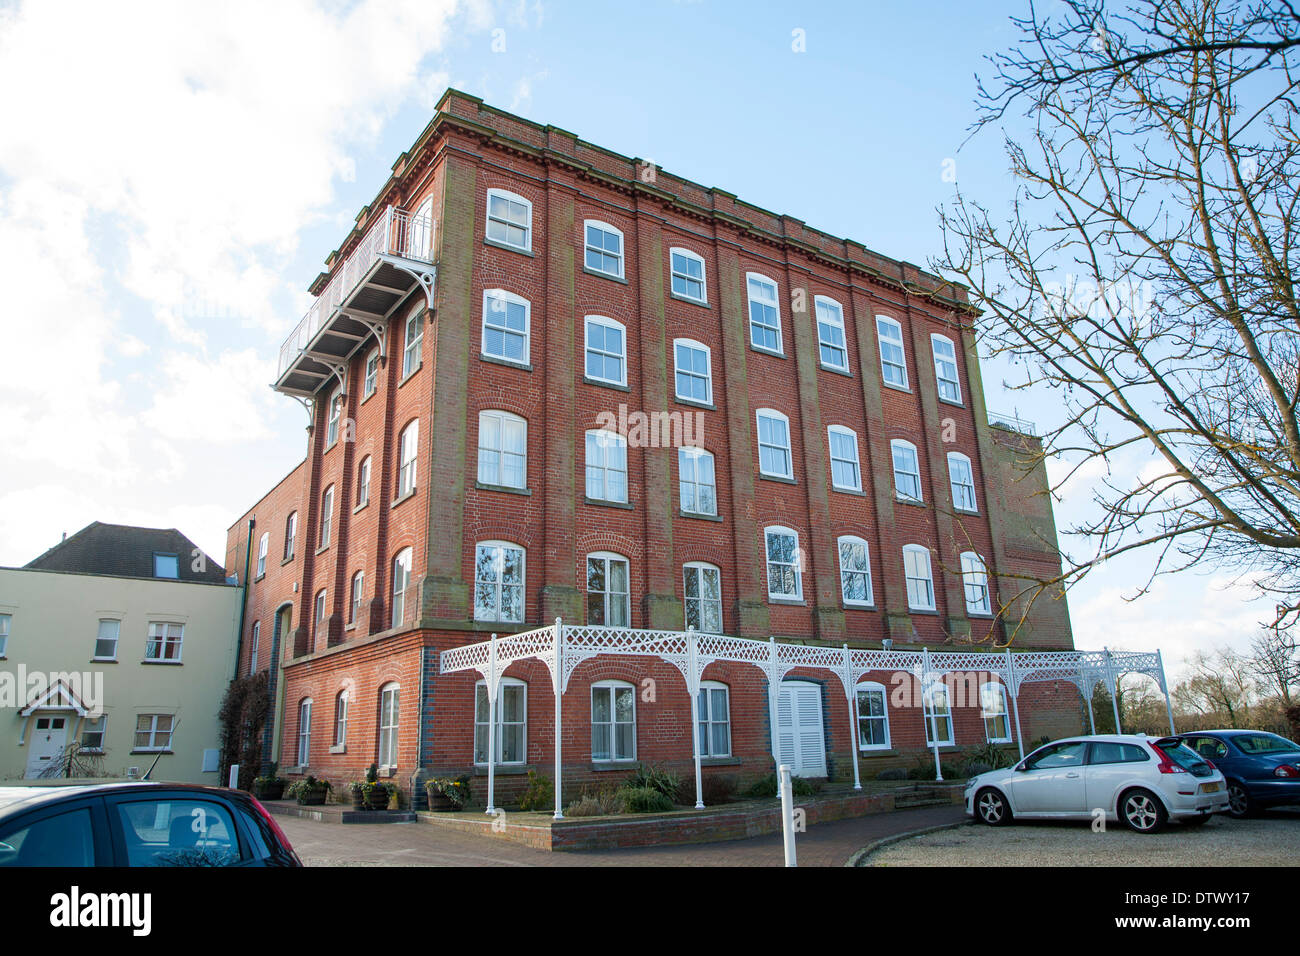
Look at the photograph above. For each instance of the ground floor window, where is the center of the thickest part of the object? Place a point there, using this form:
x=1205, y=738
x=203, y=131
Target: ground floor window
x=938, y=719
x=993, y=706
x=304, y=732
x=512, y=722
x=388, y=696
x=613, y=721
x=873, y=718
x=715, y=720
x=153, y=732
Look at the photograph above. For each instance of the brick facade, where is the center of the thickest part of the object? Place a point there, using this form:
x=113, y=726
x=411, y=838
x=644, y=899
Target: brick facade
x=470, y=148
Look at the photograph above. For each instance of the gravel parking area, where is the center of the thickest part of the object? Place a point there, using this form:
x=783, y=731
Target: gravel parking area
x=1272, y=840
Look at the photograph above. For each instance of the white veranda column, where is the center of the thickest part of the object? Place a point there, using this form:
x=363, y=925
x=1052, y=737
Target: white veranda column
x=851, y=692
x=1112, y=684
x=1013, y=686
x=932, y=726
x=693, y=688
x=773, y=692
x=557, y=685
x=492, y=681
x=1164, y=686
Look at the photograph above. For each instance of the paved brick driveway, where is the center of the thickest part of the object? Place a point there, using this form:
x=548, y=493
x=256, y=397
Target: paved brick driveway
x=419, y=844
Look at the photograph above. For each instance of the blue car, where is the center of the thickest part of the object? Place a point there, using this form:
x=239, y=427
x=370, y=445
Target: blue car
x=1262, y=769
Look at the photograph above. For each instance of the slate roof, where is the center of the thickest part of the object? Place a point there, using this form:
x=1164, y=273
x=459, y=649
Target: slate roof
x=125, y=551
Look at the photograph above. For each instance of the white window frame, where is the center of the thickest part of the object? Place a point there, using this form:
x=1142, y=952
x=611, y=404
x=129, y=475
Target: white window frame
x=341, y=703
x=608, y=596
x=98, y=726
x=363, y=482
x=941, y=380
x=327, y=517
x=370, y=379
x=896, y=341
x=527, y=245
x=694, y=484
x=498, y=584
x=254, y=647
x=6, y=621
x=333, y=413
x=697, y=570
x=708, y=719
x=935, y=718
x=587, y=247
x=787, y=449
x=690, y=373
x=501, y=295
x=855, y=461
x=401, y=582
x=319, y=617
x=413, y=345
x=408, y=458
x=263, y=546
x=388, y=731
x=610, y=687
x=975, y=580
x=968, y=486
x=158, y=643
x=918, y=553
x=290, y=535
x=872, y=687
x=774, y=302
x=835, y=320
x=99, y=636
x=686, y=277
x=604, y=322
x=796, y=564
x=605, y=442
x=480, y=726
x=854, y=540
x=160, y=741
x=895, y=446
x=304, y=732
x=988, y=715
x=358, y=595
x=495, y=423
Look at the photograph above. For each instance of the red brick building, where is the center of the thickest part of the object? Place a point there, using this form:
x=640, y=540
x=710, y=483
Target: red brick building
x=506, y=362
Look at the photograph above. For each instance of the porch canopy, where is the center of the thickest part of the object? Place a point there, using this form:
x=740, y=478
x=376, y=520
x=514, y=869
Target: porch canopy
x=562, y=647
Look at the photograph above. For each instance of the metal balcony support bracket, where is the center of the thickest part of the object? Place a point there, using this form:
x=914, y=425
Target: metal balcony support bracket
x=378, y=326
x=427, y=277
x=337, y=369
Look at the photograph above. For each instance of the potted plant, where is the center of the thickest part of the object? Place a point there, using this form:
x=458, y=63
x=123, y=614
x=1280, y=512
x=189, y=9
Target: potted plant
x=309, y=792
x=447, y=794
x=269, y=787
x=366, y=794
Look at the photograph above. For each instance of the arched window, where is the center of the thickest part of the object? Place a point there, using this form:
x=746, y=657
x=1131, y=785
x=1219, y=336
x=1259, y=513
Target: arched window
x=764, y=313
x=408, y=445
x=975, y=580
x=603, y=248
x=696, y=481
x=335, y=409
x=962, y=479
x=993, y=708
x=774, y=458
x=263, y=545
x=893, y=357
x=855, y=572
x=938, y=715
x=290, y=534
x=372, y=374
x=873, y=716
x=832, y=351
x=358, y=594
x=688, y=279
x=702, y=590
x=920, y=580
x=499, y=582
x=606, y=466
x=693, y=365
x=784, y=568
x=341, y=718
x=320, y=624
x=613, y=721
x=304, y=732
x=401, y=583
x=606, y=350
x=502, y=449
x=509, y=220
x=846, y=473
x=254, y=647
x=363, y=482
x=326, y=516
x=945, y=368
x=412, y=341
x=505, y=326
x=608, y=590
x=388, y=714
x=715, y=719
x=512, y=722
x=907, y=470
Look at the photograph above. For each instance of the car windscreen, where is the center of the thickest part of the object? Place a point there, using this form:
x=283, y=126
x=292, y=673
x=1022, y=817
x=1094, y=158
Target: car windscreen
x=1256, y=744
x=1185, y=757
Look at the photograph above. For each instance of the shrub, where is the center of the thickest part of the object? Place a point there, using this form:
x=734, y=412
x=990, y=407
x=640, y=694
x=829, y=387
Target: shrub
x=645, y=800
x=650, y=777
x=974, y=768
x=992, y=756
x=602, y=803
x=893, y=773
x=719, y=789
x=539, y=794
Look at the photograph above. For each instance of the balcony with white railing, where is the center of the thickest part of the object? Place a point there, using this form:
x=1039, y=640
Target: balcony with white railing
x=393, y=258
x=1013, y=423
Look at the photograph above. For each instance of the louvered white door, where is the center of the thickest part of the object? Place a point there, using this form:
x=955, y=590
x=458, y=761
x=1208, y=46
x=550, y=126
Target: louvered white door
x=801, y=740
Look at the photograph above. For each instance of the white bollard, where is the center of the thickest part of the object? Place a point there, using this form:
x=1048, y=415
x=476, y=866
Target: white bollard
x=234, y=776
x=787, y=813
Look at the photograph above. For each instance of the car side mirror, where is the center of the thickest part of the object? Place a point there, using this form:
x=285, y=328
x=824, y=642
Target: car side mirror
x=1021, y=767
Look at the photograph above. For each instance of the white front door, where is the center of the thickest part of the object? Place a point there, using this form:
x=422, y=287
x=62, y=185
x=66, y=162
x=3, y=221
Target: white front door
x=49, y=734
x=801, y=741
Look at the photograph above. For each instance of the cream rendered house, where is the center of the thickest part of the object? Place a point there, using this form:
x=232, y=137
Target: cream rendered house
x=118, y=641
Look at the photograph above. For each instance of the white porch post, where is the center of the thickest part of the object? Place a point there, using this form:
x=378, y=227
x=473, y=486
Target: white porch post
x=557, y=683
x=1113, y=686
x=693, y=688
x=773, y=692
x=1164, y=686
x=492, y=724
x=851, y=691
x=1014, y=686
x=931, y=727
x=1092, y=720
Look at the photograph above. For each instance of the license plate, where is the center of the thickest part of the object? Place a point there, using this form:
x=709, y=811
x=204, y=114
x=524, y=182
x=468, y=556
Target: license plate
x=1209, y=788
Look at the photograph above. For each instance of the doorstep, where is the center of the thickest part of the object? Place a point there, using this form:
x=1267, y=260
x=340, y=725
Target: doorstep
x=337, y=813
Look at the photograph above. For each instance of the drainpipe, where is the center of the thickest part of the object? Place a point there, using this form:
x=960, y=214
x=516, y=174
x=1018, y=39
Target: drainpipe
x=243, y=598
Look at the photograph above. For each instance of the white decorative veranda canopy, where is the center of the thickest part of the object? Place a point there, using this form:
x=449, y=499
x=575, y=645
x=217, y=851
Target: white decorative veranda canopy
x=562, y=647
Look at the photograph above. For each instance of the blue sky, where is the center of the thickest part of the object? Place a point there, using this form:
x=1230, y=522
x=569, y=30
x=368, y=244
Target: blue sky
x=169, y=192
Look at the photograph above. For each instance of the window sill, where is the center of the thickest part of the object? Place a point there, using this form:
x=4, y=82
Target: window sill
x=983, y=615
x=720, y=761
x=916, y=502
x=414, y=372
x=603, y=384
x=838, y=371
x=848, y=491
x=766, y=351
x=259, y=577
x=350, y=627
x=780, y=478
x=502, y=769
x=878, y=751
x=483, y=486
x=955, y=404
x=361, y=506
x=923, y=610
x=604, y=275
x=897, y=388
x=406, y=497
x=163, y=663
x=96, y=660
x=964, y=511
x=296, y=771
x=508, y=363
x=339, y=749
x=621, y=764
x=322, y=549
x=858, y=607
x=702, y=303
x=152, y=750
x=498, y=244
x=603, y=503
x=788, y=602
x=701, y=516
x=695, y=403
x=288, y=560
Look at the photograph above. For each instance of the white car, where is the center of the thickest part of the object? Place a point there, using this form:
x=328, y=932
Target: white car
x=1139, y=780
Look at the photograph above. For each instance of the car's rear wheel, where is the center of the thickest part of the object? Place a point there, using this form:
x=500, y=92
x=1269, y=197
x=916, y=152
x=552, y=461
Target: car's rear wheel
x=1142, y=811
x=1240, y=803
x=992, y=808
